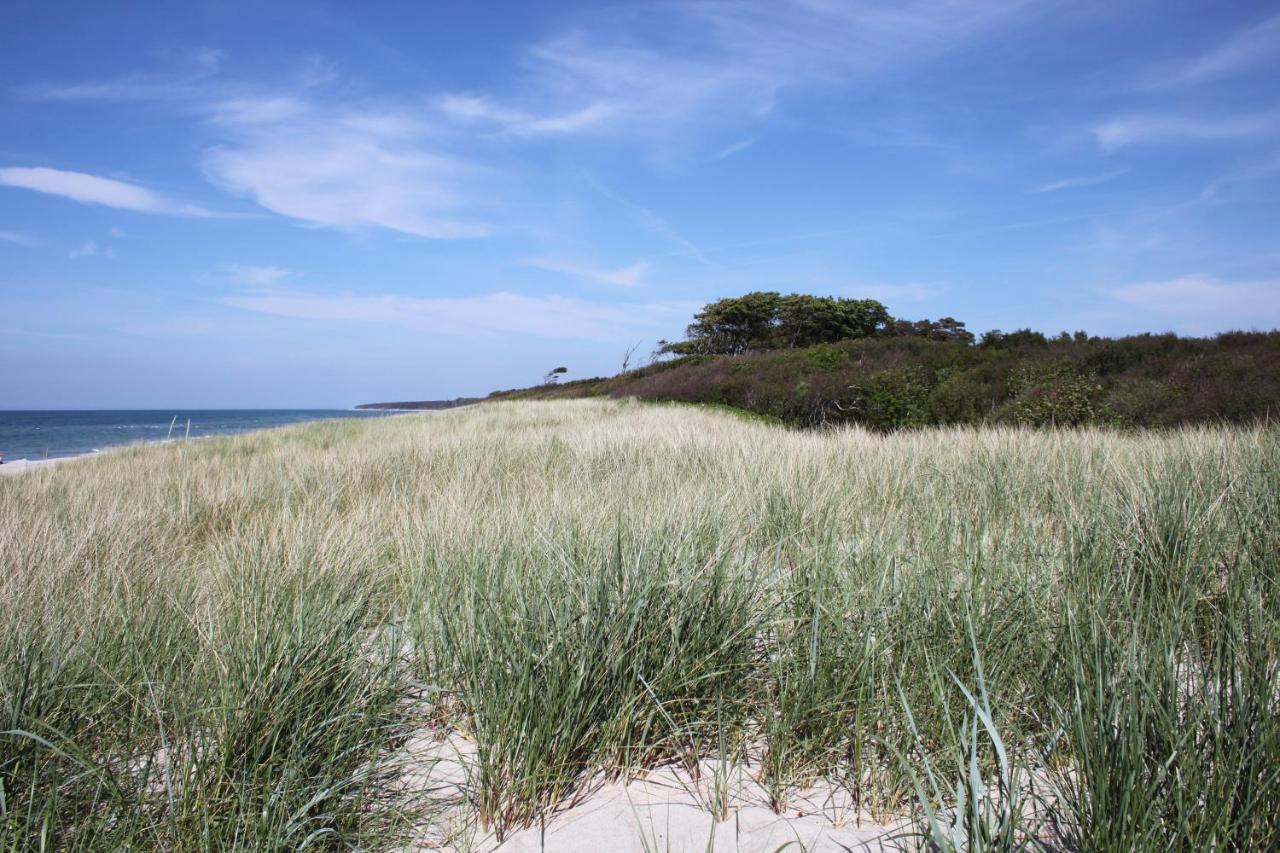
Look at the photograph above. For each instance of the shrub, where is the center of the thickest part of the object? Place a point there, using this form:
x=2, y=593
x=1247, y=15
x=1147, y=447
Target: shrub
x=890, y=382
x=898, y=398
x=1053, y=393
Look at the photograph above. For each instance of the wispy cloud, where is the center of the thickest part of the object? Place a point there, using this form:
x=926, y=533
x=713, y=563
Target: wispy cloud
x=622, y=276
x=1199, y=304
x=306, y=151
x=1244, y=50
x=1250, y=176
x=1156, y=129
x=257, y=276
x=649, y=220
x=92, y=189
x=342, y=167
x=32, y=333
x=1079, y=181
x=86, y=249
x=301, y=152
x=734, y=60
x=189, y=79
x=498, y=313
x=481, y=109
x=17, y=239
x=731, y=149
x=248, y=110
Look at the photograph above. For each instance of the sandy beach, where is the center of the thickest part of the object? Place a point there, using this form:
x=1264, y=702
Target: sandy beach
x=21, y=466
x=588, y=625
x=664, y=809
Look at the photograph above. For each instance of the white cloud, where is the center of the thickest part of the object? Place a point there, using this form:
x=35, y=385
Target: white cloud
x=16, y=238
x=317, y=71
x=86, y=249
x=1250, y=176
x=91, y=189
x=137, y=87
x=621, y=276
x=733, y=60
x=1161, y=129
x=499, y=313
x=1079, y=181
x=1201, y=304
x=1244, y=50
x=305, y=152
x=259, y=110
x=186, y=81
x=257, y=276
x=472, y=108
x=342, y=168
x=649, y=220
x=321, y=162
x=732, y=148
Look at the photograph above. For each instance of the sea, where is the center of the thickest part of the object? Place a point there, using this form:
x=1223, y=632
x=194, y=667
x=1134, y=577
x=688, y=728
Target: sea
x=50, y=434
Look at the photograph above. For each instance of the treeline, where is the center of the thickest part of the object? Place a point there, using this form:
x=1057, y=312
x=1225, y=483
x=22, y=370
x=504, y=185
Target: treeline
x=419, y=405
x=766, y=320
x=919, y=373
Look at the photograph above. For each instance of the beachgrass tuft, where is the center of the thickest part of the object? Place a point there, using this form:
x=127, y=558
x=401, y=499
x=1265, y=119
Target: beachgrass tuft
x=1038, y=639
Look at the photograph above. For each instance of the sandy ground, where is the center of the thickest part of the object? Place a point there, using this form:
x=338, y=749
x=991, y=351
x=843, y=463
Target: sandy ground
x=667, y=810
x=19, y=466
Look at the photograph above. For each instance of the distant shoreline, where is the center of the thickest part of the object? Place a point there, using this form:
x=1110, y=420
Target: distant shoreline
x=44, y=435
x=418, y=405
x=22, y=466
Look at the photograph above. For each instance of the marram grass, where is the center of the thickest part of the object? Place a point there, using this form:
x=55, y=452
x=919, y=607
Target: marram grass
x=1028, y=639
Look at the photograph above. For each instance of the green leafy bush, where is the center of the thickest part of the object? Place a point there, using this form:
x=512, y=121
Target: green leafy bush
x=1056, y=393
x=895, y=381
x=898, y=398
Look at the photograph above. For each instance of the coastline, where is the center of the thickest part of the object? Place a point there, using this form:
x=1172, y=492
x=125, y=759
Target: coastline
x=30, y=439
x=419, y=405
x=22, y=466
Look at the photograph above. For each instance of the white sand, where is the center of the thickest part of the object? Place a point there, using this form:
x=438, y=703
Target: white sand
x=665, y=811
x=19, y=466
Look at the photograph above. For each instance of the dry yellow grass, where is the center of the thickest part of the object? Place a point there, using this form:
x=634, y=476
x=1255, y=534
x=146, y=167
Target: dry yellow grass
x=599, y=585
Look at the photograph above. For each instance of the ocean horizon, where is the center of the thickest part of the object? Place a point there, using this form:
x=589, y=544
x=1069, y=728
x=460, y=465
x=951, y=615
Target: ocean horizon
x=55, y=433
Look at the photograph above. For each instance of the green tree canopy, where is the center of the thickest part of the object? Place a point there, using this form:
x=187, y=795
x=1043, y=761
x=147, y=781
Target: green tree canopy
x=946, y=329
x=765, y=320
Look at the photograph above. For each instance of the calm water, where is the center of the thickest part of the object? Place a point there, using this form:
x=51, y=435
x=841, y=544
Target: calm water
x=37, y=435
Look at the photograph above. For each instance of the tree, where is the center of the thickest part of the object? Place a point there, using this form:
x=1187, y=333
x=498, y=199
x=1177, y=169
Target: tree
x=807, y=320
x=730, y=326
x=626, y=356
x=946, y=329
x=996, y=339
x=765, y=320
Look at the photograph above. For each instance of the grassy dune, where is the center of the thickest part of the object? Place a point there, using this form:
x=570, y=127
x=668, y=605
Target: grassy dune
x=1073, y=636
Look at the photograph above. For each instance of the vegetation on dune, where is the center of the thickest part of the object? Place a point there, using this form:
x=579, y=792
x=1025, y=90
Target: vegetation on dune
x=767, y=320
x=809, y=361
x=1029, y=637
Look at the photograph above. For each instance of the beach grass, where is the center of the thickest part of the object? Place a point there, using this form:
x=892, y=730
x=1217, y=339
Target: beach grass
x=1023, y=638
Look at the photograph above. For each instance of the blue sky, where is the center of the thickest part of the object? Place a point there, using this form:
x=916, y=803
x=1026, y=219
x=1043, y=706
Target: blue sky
x=310, y=204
